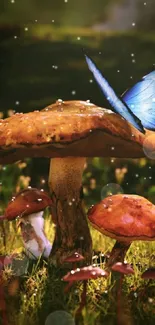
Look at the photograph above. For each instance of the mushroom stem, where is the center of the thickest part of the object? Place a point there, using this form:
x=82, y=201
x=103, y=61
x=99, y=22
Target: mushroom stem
x=72, y=231
x=34, y=239
x=119, y=300
x=82, y=302
x=118, y=253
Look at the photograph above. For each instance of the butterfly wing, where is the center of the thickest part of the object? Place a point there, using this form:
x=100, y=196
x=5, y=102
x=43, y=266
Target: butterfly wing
x=118, y=105
x=141, y=100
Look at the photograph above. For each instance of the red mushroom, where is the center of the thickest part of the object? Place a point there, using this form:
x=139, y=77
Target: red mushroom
x=123, y=269
x=73, y=259
x=84, y=274
x=149, y=274
x=125, y=218
x=28, y=206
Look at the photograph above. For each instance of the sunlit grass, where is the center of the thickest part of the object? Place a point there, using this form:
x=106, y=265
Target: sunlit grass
x=41, y=291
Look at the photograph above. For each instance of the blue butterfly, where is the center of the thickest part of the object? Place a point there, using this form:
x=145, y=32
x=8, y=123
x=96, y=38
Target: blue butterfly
x=137, y=105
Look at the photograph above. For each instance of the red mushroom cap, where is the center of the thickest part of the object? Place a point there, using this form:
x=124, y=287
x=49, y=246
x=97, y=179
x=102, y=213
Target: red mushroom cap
x=26, y=202
x=124, y=217
x=75, y=257
x=85, y=273
x=149, y=274
x=122, y=268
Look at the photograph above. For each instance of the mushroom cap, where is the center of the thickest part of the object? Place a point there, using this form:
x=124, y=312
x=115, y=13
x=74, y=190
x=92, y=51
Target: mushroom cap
x=123, y=268
x=75, y=257
x=85, y=273
x=70, y=128
x=124, y=217
x=26, y=202
x=149, y=274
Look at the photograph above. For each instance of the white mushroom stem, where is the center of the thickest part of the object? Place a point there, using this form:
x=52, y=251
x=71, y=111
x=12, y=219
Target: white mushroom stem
x=34, y=239
x=72, y=232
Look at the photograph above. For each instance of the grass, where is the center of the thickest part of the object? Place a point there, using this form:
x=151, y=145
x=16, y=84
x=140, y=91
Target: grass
x=32, y=296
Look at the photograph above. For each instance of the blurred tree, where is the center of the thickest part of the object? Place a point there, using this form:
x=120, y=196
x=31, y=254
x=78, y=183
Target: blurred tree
x=77, y=13
x=146, y=15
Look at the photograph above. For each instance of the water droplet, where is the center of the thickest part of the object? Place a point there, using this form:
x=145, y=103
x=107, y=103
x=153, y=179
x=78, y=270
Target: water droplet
x=73, y=92
x=26, y=29
x=72, y=271
x=59, y=317
x=148, y=147
x=111, y=189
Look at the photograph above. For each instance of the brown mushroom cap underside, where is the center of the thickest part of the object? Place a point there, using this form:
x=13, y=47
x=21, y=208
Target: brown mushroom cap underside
x=71, y=128
x=124, y=217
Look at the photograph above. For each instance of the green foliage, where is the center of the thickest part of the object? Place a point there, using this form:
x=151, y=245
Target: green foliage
x=12, y=180
x=75, y=13
x=41, y=291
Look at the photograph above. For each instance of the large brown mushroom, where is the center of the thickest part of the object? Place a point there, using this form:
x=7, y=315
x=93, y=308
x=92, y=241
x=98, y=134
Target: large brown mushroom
x=125, y=218
x=68, y=132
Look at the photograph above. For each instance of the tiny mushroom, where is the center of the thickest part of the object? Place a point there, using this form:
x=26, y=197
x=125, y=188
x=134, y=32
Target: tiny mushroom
x=84, y=274
x=123, y=269
x=28, y=207
x=125, y=218
x=73, y=259
x=149, y=274
x=68, y=132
